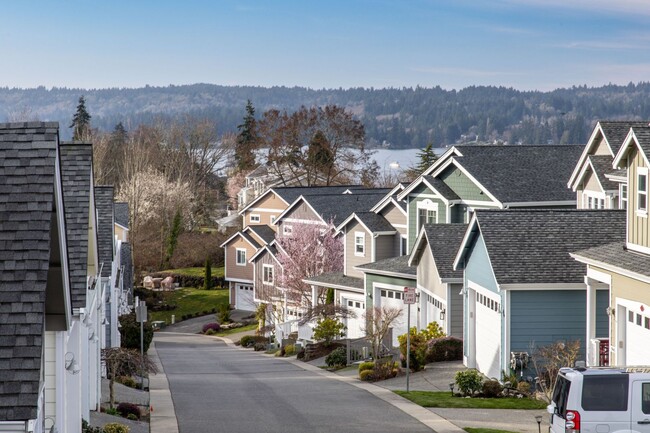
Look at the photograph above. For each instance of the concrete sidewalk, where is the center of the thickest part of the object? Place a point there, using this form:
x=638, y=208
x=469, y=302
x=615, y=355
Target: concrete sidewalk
x=162, y=415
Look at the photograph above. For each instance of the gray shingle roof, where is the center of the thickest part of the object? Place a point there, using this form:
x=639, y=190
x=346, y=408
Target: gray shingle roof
x=442, y=188
x=444, y=241
x=291, y=193
x=616, y=254
x=616, y=131
x=104, y=207
x=121, y=213
x=250, y=239
x=643, y=138
x=517, y=174
x=603, y=165
x=27, y=176
x=533, y=246
x=76, y=174
x=398, y=265
x=339, y=207
x=336, y=279
x=375, y=222
x=263, y=231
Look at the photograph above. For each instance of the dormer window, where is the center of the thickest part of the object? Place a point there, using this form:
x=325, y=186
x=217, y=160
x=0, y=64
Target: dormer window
x=427, y=213
x=642, y=191
x=359, y=244
x=255, y=218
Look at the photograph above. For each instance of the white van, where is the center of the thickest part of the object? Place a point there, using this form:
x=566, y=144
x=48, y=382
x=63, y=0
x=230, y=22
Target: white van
x=601, y=400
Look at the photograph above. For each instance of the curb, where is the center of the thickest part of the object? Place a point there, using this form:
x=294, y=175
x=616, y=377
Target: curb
x=434, y=422
x=162, y=418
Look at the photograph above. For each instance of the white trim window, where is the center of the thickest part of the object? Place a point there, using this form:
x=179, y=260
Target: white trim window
x=267, y=274
x=593, y=200
x=642, y=191
x=427, y=213
x=241, y=257
x=287, y=230
x=622, y=196
x=359, y=244
x=255, y=218
x=402, y=245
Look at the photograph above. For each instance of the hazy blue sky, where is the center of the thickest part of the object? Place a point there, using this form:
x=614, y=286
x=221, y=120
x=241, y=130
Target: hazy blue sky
x=526, y=44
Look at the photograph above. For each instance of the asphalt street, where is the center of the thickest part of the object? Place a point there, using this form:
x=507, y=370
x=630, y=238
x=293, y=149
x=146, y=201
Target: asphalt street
x=216, y=388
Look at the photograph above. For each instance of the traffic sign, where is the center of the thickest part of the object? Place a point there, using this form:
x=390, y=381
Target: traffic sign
x=409, y=295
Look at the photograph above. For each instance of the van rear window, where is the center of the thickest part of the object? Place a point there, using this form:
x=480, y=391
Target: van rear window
x=561, y=394
x=605, y=392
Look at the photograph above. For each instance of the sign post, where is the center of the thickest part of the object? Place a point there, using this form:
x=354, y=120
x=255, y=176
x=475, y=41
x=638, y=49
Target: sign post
x=409, y=298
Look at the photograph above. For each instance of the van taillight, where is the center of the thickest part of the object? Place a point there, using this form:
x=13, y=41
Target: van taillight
x=572, y=424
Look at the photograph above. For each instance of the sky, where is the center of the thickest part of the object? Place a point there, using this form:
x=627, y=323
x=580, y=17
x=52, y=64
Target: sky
x=524, y=44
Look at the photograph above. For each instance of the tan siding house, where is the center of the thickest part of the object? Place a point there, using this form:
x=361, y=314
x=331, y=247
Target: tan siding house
x=264, y=211
x=354, y=257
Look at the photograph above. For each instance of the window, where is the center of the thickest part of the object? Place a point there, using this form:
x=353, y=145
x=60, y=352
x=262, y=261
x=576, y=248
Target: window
x=267, y=276
x=645, y=398
x=427, y=213
x=561, y=394
x=592, y=202
x=287, y=230
x=359, y=244
x=255, y=218
x=272, y=219
x=622, y=197
x=403, y=246
x=642, y=191
x=605, y=392
x=630, y=316
x=638, y=319
x=241, y=257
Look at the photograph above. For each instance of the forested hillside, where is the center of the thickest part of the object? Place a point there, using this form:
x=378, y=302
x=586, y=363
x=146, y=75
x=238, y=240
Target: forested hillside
x=401, y=118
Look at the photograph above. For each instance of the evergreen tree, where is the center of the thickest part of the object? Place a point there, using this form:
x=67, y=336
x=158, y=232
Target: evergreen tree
x=320, y=156
x=80, y=121
x=246, y=140
x=207, y=275
x=172, y=239
x=427, y=157
x=329, y=299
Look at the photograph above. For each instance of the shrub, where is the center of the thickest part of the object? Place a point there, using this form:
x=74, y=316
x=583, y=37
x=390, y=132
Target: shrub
x=127, y=381
x=418, y=349
x=492, y=388
x=132, y=417
x=444, y=349
x=289, y=350
x=247, y=341
x=368, y=365
x=112, y=411
x=258, y=347
x=87, y=428
x=328, y=329
x=128, y=408
x=301, y=353
x=337, y=357
x=130, y=332
x=215, y=327
x=432, y=331
x=367, y=375
x=523, y=387
x=116, y=427
x=469, y=381
x=207, y=275
x=210, y=332
x=223, y=314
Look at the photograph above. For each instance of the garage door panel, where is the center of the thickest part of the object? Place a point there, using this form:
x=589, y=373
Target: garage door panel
x=488, y=336
x=244, y=297
x=637, y=336
x=355, y=324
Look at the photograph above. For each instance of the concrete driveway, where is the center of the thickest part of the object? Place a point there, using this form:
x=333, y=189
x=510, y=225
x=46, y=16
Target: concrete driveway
x=218, y=388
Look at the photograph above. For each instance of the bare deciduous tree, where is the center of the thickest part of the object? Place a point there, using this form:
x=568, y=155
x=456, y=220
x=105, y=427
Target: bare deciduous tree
x=125, y=362
x=547, y=361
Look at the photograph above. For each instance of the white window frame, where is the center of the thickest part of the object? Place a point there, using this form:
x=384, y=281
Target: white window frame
x=255, y=218
x=266, y=268
x=642, y=171
x=362, y=236
x=594, y=200
x=287, y=230
x=428, y=205
x=622, y=196
x=403, y=245
x=237, y=251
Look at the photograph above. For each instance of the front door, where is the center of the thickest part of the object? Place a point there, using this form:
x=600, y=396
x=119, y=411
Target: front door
x=640, y=410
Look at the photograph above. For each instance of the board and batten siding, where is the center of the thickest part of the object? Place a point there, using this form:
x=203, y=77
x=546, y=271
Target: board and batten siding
x=542, y=317
x=232, y=270
x=351, y=259
x=266, y=292
x=269, y=206
x=395, y=216
x=462, y=185
x=385, y=247
x=638, y=232
x=455, y=310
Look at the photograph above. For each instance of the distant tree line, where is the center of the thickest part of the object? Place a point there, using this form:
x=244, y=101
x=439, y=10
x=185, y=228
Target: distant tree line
x=402, y=118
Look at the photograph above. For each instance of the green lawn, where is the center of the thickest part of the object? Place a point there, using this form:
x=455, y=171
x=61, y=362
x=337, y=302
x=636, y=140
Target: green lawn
x=486, y=430
x=445, y=399
x=251, y=327
x=196, y=272
x=190, y=301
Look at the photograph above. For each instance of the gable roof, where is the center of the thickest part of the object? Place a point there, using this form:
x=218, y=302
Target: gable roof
x=397, y=266
x=105, y=229
x=27, y=177
x=247, y=237
x=266, y=233
x=443, y=240
x=121, y=210
x=639, y=136
x=269, y=248
x=602, y=165
x=616, y=257
x=373, y=223
x=335, y=207
x=533, y=246
x=76, y=178
x=513, y=175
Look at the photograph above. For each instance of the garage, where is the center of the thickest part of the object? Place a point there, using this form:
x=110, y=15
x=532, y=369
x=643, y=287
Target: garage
x=244, y=299
x=355, y=324
x=488, y=335
x=433, y=309
x=637, y=335
x=395, y=298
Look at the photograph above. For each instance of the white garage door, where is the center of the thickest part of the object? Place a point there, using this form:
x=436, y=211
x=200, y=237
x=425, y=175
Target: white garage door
x=355, y=324
x=395, y=298
x=637, y=335
x=244, y=297
x=488, y=336
x=433, y=307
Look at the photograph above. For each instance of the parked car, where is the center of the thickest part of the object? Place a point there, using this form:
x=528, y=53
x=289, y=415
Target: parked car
x=601, y=400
